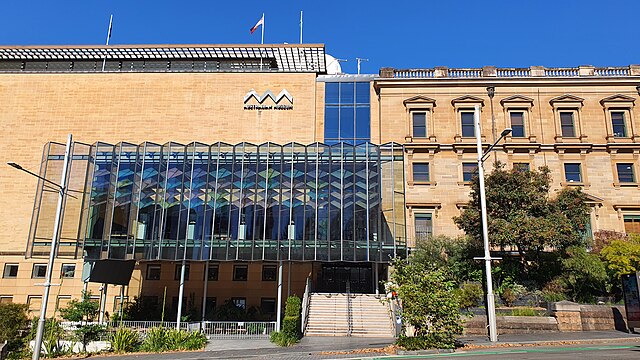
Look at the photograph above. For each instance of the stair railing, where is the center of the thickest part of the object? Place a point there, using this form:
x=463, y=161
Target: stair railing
x=305, y=305
x=349, y=310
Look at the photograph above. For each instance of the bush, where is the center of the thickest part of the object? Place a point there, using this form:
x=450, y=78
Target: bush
x=622, y=257
x=125, y=340
x=13, y=320
x=429, y=341
x=291, y=330
x=470, y=294
x=87, y=333
x=53, y=333
x=584, y=275
x=554, y=291
x=161, y=339
x=281, y=339
x=510, y=292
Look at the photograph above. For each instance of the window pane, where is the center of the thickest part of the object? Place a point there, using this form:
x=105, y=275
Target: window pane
x=572, y=173
x=331, y=122
x=421, y=172
x=212, y=275
x=269, y=273
x=632, y=224
x=363, y=123
x=68, y=270
x=346, y=122
x=420, y=124
x=521, y=166
x=424, y=226
x=625, y=173
x=240, y=272
x=346, y=93
x=10, y=271
x=517, y=124
x=332, y=96
x=362, y=93
x=617, y=120
x=566, y=123
x=468, y=129
x=468, y=171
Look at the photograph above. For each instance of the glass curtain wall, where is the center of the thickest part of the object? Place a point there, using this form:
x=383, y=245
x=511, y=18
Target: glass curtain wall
x=242, y=202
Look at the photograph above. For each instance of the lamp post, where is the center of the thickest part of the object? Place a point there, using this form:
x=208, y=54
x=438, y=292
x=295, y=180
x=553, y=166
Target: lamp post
x=491, y=306
x=62, y=190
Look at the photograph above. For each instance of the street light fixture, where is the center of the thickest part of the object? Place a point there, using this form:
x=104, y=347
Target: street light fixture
x=491, y=306
x=62, y=192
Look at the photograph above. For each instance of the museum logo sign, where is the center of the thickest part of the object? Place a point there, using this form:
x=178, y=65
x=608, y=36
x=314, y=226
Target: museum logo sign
x=268, y=101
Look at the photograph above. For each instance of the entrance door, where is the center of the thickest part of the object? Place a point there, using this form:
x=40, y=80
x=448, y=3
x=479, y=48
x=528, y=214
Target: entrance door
x=334, y=278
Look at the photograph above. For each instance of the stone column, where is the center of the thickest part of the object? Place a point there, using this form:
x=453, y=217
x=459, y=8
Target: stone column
x=567, y=314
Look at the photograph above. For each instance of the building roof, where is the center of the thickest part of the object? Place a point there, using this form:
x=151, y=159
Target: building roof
x=278, y=58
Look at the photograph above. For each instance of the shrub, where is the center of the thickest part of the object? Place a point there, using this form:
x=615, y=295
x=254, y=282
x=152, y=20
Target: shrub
x=525, y=312
x=161, y=339
x=554, y=291
x=281, y=339
x=291, y=324
x=584, y=275
x=87, y=333
x=293, y=306
x=53, y=333
x=470, y=294
x=622, y=257
x=125, y=340
x=13, y=319
x=155, y=341
x=510, y=292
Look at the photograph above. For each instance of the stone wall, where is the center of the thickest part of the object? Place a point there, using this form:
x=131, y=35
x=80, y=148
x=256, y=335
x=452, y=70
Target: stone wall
x=477, y=325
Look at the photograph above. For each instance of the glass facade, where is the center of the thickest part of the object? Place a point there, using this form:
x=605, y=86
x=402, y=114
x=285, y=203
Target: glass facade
x=347, y=112
x=243, y=202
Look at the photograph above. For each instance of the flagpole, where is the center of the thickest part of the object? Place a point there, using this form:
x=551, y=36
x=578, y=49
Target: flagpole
x=300, y=26
x=104, y=61
x=262, y=41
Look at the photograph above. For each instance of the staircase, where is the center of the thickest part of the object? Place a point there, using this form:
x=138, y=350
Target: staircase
x=362, y=315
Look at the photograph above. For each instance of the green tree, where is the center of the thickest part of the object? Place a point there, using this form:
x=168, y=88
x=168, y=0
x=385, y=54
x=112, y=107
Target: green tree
x=84, y=311
x=522, y=216
x=622, y=256
x=584, y=275
x=13, y=319
x=429, y=303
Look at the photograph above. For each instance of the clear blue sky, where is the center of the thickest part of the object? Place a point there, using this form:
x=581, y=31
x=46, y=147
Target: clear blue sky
x=401, y=34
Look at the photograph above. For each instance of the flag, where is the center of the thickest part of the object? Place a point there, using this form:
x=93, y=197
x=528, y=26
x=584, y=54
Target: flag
x=260, y=22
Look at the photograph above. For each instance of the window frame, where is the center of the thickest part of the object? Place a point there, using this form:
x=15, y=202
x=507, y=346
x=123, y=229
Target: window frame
x=567, y=173
x=462, y=168
x=239, y=299
x=210, y=273
x=523, y=113
x=178, y=270
x=572, y=113
x=633, y=173
x=153, y=266
x=461, y=112
x=235, y=273
x=521, y=166
x=263, y=300
x=413, y=172
x=425, y=113
x=422, y=215
x=635, y=217
x=33, y=271
x=625, y=128
x=275, y=272
x=63, y=274
x=5, y=275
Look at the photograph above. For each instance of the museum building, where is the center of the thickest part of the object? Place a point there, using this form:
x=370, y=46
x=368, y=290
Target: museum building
x=229, y=161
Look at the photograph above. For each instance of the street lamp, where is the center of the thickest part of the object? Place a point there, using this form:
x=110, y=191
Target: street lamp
x=491, y=306
x=62, y=191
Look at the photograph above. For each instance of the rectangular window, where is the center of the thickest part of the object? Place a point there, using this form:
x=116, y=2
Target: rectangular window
x=34, y=302
x=240, y=272
x=468, y=128
x=10, y=271
x=572, y=172
x=63, y=301
x=517, y=124
x=521, y=166
x=617, y=122
x=6, y=299
x=567, y=124
x=632, y=224
x=419, y=124
x=39, y=271
x=421, y=172
x=468, y=171
x=424, y=226
x=268, y=305
x=178, y=272
x=214, y=270
x=210, y=306
x=153, y=272
x=269, y=272
x=116, y=303
x=625, y=173
x=239, y=302
x=68, y=270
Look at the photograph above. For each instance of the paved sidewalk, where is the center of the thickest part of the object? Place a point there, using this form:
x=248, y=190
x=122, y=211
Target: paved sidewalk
x=589, y=337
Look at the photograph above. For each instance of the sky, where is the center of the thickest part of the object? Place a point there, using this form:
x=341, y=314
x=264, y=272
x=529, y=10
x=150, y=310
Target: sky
x=398, y=33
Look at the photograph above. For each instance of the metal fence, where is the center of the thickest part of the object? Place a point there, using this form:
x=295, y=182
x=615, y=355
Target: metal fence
x=212, y=329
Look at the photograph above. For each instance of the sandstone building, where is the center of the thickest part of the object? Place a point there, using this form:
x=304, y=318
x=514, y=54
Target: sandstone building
x=237, y=157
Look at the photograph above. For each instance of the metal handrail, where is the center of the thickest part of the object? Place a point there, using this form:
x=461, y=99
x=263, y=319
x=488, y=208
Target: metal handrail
x=306, y=301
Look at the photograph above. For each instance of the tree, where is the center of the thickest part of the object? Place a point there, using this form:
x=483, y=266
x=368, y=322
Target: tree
x=429, y=303
x=13, y=319
x=622, y=256
x=584, y=275
x=523, y=217
x=84, y=311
